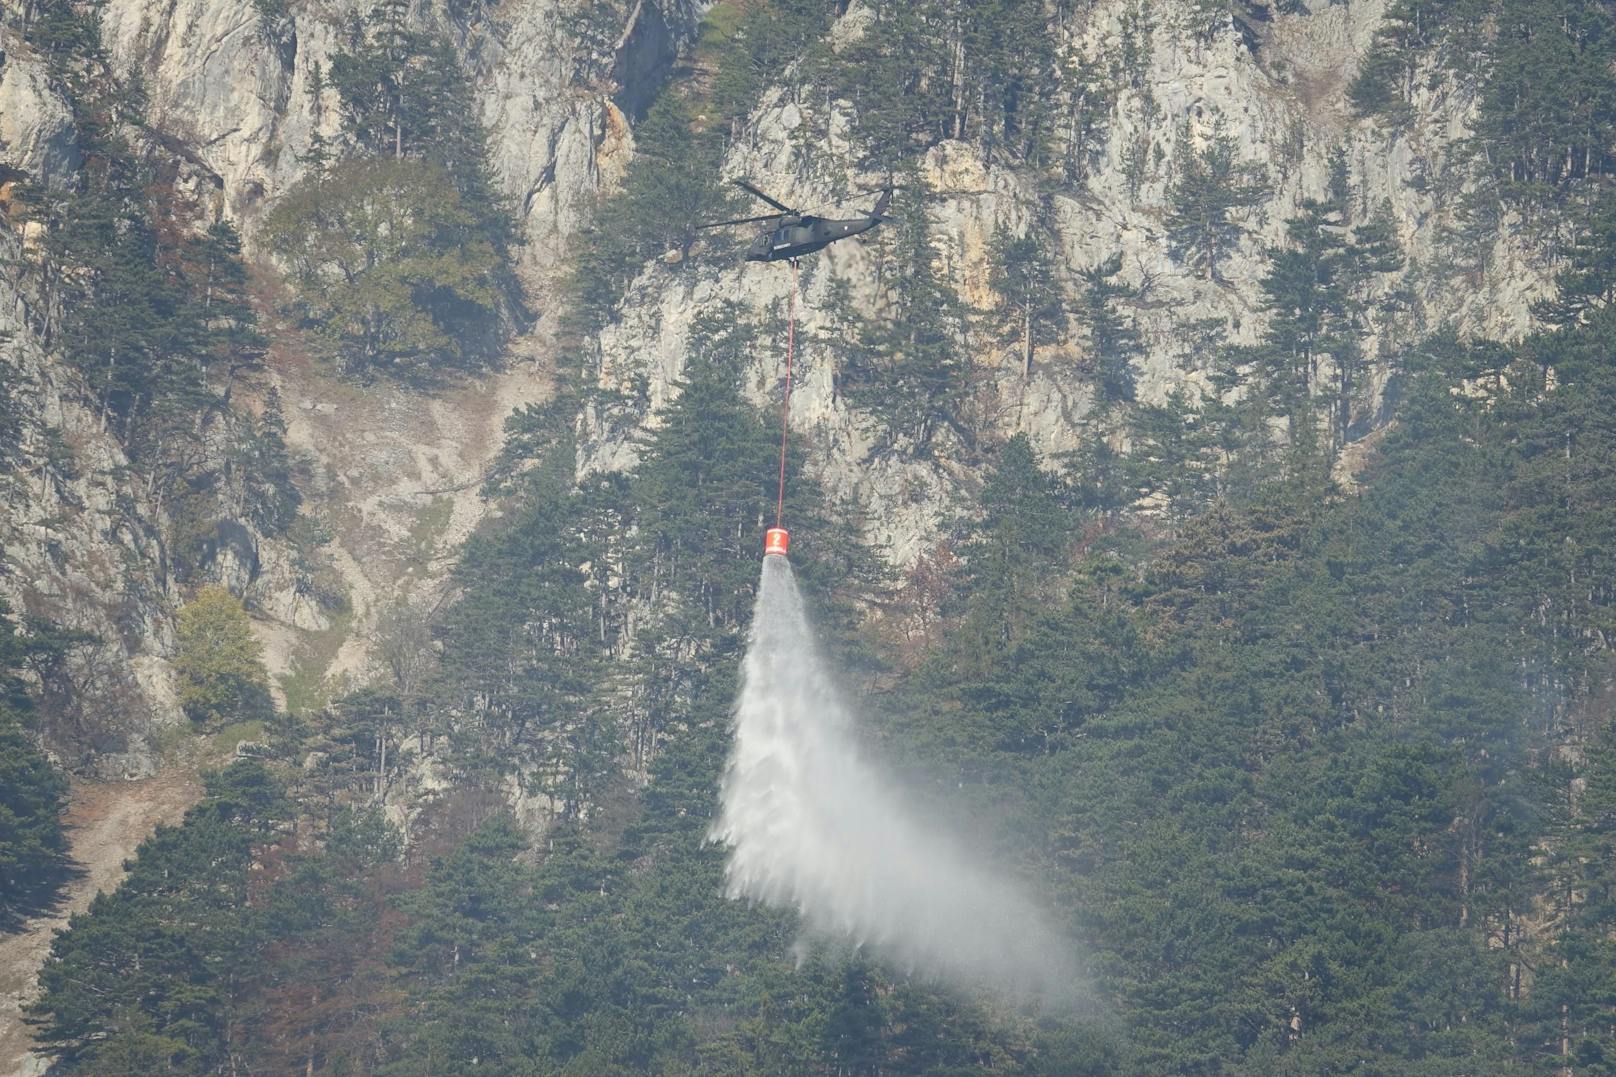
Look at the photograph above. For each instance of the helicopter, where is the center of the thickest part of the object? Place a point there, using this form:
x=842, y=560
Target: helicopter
x=797, y=233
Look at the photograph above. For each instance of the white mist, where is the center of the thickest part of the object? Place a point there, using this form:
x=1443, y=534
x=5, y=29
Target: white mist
x=812, y=825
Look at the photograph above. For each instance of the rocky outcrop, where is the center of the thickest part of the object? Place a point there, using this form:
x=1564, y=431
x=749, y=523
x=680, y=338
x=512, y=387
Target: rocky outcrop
x=248, y=94
x=37, y=138
x=393, y=483
x=238, y=92
x=83, y=548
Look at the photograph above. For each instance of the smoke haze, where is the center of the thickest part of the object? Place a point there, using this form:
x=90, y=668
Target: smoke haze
x=813, y=826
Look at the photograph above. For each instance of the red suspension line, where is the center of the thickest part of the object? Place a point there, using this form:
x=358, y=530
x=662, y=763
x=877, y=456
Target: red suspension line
x=785, y=405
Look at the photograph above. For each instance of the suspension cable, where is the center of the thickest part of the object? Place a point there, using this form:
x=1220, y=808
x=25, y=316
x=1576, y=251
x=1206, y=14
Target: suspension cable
x=785, y=404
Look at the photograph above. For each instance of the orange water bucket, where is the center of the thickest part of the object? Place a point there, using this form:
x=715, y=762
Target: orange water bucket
x=775, y=540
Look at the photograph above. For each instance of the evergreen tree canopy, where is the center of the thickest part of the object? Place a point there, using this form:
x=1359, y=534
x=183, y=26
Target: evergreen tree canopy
x=1113, y=340
x=1023, y=273
x=1212, y=185
x=909, y=365
x=33, y=794
x=154, y=971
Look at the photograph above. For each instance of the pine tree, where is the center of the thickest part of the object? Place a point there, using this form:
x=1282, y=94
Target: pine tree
x=68, y=35
x=1587, y=284
x=1023, y=274
x=1170, y=455
x=131, y=329
x=1016, y=548
x=703, y=492
x=405, y=94
x=222, y=292
x=32, y=798
x=33, y=794
x=1318, y=296
x=946, y=69
x=1099, y=474
x=1212, y=186
x=469, y=949
x=260, y=468
x=1547, y=113
x=909, y=366
x=157, y=968
x=1114, y=341
x=521, y=655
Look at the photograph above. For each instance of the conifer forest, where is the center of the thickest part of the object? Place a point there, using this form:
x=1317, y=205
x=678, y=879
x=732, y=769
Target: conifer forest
x=1198, y=648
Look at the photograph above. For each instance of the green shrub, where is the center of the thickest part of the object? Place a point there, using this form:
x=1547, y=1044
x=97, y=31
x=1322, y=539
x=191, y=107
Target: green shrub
x=220, y=663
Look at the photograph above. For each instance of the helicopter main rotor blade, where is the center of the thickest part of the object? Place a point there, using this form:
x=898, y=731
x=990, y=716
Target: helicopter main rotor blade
x=743, y=220
x=781, y=206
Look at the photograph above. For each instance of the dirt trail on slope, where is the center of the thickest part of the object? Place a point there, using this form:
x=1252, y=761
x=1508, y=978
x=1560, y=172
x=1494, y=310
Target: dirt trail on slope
x=106, y=821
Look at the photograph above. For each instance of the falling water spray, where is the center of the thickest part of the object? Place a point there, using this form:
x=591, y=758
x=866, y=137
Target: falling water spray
x=813, y=825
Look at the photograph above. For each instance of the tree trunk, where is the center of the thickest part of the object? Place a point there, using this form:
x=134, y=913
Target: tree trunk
x=106, y=392
x=1026, y=334
x=308, y=1068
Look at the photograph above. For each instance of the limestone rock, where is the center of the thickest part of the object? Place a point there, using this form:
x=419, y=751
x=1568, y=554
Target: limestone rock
x=81, y=544
x=1282, y=100
x=37, y=136
x=242, y=94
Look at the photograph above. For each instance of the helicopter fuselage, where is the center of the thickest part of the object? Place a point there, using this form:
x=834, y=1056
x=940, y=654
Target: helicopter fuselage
x=794, y=237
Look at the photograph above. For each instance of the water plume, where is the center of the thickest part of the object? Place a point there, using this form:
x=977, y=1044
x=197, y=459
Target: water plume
x=813, y=825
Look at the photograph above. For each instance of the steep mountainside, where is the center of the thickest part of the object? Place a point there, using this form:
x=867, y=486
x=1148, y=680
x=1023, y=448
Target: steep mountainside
x=235, y=95
x=1138, y=91
x=1201, y=479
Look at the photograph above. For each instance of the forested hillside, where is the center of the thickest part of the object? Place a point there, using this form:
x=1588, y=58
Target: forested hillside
x=1204, y=486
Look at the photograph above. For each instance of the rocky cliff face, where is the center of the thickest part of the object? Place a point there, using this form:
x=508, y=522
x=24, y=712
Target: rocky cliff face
x=36, y=126
x=83, y=547
x=1279, y=88
x=246, y=91
x=81, y=543
x=236, y=89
